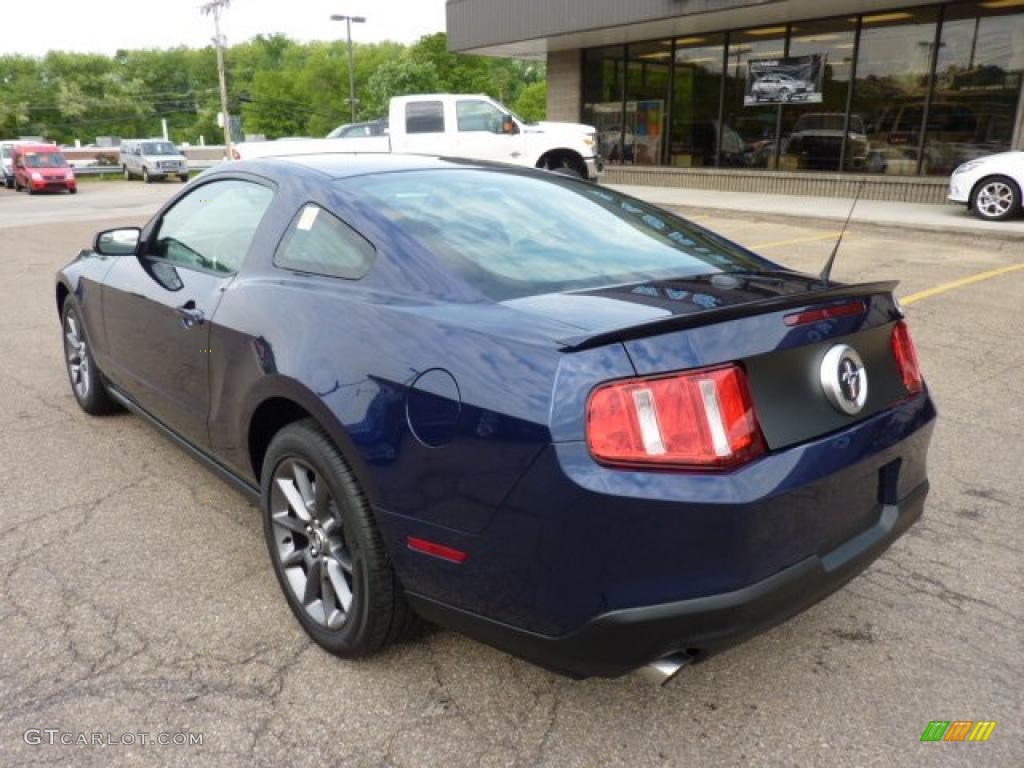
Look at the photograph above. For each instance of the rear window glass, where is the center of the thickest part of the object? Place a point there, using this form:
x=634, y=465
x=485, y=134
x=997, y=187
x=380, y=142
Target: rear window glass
x=322, y=244
x=512, y=235
x=424, y=117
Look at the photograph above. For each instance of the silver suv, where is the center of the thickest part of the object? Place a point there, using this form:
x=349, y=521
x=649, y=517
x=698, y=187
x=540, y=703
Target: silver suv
x=152, y=159
x=778, y=87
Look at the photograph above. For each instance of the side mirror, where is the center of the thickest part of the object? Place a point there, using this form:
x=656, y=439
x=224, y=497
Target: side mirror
x=508, y=125
x=117, y=242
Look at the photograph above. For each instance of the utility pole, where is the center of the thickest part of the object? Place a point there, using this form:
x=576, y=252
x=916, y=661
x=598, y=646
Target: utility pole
x=215, y=8
x=349, y=21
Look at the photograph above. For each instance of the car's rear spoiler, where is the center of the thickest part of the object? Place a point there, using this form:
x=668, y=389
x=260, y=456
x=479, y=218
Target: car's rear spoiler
x=723, y=314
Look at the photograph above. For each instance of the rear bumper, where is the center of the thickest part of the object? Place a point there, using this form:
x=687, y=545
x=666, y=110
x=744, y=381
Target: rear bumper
x=614, y=643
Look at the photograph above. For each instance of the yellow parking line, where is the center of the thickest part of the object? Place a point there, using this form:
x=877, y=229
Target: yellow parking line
x=795, y=240
x=928, y=293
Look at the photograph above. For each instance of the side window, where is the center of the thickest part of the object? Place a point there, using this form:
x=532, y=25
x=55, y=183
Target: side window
x=213, y=226
x=320, y=243
x=424, y=117
x=478, y=115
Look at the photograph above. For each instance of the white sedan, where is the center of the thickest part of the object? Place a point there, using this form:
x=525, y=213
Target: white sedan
x=990, y=186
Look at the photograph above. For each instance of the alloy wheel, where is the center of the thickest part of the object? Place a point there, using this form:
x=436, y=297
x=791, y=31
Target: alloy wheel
x=310, y=543
x=995, y=199
x=77, y=356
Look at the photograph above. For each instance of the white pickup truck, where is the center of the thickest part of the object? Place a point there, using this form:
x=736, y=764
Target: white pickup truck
x=473, y=127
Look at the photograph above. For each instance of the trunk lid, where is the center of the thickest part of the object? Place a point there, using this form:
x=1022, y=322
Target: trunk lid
x=702, y=321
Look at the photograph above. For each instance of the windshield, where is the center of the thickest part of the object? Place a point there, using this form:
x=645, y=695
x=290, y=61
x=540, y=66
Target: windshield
x=821, y=123
x=45, y=160
x=512, y=235
x=159, y=148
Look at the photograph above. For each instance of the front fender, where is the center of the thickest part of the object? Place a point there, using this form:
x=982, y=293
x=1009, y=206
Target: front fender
x=83, y=278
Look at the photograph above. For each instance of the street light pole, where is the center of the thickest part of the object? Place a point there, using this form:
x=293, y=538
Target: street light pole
x=214, y=8
x=349, y=21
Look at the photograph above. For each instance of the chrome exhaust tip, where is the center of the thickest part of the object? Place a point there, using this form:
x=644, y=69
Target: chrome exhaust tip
x=664, y=669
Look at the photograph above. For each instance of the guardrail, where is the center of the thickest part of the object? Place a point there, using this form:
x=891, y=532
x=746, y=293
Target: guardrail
x=115, y=170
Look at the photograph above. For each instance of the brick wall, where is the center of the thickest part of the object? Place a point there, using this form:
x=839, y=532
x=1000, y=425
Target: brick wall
x=908, y=189
x=564, y=86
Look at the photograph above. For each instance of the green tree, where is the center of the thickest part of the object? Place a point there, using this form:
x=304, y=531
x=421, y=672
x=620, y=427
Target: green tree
x=532, y=104
x=399, y=77
x=279, y=86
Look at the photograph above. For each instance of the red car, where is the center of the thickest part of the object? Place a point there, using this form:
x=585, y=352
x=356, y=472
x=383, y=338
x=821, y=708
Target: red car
x=42, y=167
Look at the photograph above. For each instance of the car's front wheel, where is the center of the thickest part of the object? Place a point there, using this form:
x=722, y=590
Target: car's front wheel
x=996, y=198
x=86, y=381
x=145, y=175
x=326, y=550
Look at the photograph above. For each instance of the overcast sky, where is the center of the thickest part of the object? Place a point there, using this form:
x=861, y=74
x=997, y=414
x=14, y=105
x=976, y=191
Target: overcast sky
x=103, y=26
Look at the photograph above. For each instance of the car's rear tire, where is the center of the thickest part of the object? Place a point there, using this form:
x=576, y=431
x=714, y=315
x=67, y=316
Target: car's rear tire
x=996, y=198
x=86, y=381
x=327, y=553
x=183, y=178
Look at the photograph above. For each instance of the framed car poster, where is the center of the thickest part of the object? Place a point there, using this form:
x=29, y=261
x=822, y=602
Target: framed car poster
x=782, y=81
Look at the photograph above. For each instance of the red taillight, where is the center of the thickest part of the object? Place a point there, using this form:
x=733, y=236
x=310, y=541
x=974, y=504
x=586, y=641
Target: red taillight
x=701, y=419
x=906, y=358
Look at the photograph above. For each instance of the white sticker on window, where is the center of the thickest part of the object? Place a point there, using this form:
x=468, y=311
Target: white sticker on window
x=307, y=218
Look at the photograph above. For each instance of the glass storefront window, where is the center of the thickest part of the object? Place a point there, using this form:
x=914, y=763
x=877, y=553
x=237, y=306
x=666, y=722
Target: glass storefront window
x=893, y=64
x=696, y=93
x=647, y=76
x=756, y=125
x=603, y=71
x=697, y=101
x=977, y=84
x=812, y=133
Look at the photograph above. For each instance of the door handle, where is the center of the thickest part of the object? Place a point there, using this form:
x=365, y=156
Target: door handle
x=514, y=154
x=190, y=315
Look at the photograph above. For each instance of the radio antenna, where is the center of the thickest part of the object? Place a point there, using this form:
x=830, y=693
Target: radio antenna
x=826, y=273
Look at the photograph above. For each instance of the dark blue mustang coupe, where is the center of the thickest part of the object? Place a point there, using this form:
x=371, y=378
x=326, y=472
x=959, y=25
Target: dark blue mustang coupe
x=514, y=403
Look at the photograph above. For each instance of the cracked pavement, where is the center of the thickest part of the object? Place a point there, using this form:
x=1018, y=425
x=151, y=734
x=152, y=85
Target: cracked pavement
x=137, y=594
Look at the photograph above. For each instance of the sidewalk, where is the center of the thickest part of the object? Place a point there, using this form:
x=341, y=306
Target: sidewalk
x=953, y=219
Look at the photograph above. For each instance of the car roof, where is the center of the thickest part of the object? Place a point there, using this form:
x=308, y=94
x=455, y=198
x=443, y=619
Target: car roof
x=37, y=147
x=340, y=165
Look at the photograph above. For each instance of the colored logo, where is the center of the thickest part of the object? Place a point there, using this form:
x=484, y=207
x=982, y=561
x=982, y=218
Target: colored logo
x=958, y=730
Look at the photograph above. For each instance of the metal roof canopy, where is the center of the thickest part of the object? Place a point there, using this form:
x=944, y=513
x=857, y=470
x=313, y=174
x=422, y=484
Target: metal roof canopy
x=532, y=28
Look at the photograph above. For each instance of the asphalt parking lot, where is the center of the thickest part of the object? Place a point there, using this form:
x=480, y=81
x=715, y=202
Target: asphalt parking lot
x=137, y=595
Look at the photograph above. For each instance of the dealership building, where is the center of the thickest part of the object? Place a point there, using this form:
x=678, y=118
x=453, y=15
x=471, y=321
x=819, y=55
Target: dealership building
x=798, y=96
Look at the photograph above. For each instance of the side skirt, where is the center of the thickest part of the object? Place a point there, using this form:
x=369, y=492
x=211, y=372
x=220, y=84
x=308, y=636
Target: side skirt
x=247, y=489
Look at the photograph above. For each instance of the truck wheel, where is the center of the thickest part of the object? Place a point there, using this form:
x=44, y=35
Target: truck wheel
x=127, y=173
x=145, y=175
